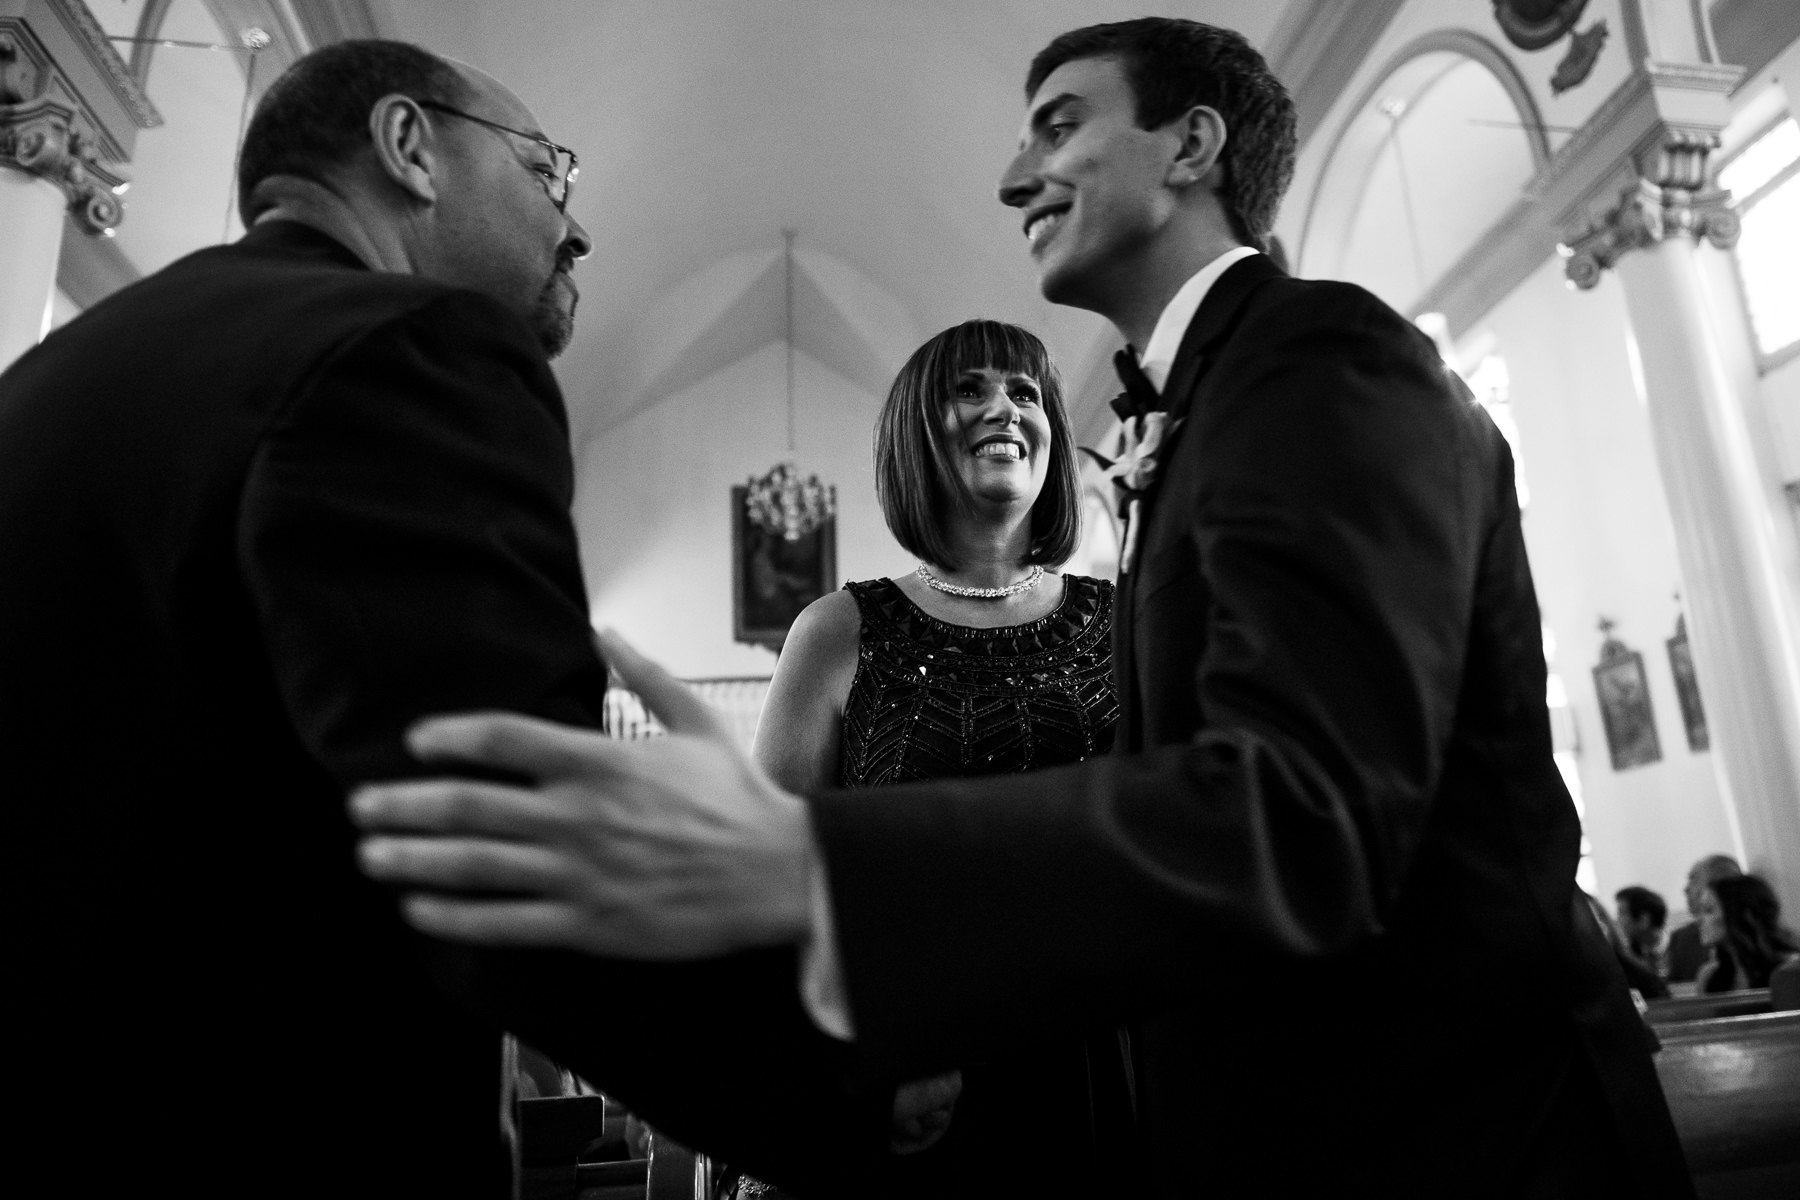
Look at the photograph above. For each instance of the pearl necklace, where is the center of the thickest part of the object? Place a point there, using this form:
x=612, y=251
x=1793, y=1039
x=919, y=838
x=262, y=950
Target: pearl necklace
x=981, y=593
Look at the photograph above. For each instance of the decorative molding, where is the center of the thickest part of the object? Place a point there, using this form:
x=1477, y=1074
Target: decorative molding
x=1638, y=171
x=112, y=69
x=45, y=130
x=149, y=26
x=1317, y=46
x=71, y=69
x=42, y=137
x=1531, y=28
x=1648, y=214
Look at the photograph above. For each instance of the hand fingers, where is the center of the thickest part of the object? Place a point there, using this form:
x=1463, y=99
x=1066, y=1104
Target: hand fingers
x=451, y=806
x=675, y=706
x=510, y=742
x=464, y=865
x=542, y=924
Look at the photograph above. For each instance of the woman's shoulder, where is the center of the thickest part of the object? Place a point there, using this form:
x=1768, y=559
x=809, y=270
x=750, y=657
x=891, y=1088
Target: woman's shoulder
x=830, y=618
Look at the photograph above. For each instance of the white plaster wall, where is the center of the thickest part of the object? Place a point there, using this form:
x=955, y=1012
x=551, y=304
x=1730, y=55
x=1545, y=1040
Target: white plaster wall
x=182, y=195
x=653, y=497
x=1601, y=543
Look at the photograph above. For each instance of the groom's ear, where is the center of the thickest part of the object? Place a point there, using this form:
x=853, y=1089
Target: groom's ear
x=1200, y=153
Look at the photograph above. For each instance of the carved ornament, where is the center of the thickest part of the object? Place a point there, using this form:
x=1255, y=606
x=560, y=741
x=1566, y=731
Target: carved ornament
x=42, y=138
x=1671, y=201
x=1534, y=24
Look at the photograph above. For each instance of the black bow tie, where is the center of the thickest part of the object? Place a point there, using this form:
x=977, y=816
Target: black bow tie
x=1140, y=395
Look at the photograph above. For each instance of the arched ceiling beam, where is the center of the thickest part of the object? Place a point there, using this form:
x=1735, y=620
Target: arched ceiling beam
x=1356, y=147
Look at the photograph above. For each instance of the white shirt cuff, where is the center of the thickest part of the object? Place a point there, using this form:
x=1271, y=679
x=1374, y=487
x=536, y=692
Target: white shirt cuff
x=822, y=989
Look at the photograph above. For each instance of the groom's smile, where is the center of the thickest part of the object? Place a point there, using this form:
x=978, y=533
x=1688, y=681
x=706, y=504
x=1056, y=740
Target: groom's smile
x=1092, y=182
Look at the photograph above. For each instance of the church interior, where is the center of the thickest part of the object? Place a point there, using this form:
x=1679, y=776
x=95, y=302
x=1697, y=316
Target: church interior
x=785, y=197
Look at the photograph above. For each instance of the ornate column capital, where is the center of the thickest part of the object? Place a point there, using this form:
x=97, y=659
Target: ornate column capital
x=1674, y=202
x=69, y=108
x=1639, y=172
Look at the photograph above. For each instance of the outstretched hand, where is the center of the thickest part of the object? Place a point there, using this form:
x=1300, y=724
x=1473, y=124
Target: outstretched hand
x=675, y=847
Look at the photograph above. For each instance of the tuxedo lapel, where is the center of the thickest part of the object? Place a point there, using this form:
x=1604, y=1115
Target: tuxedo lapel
x=1206, y=334
x=1211, y=327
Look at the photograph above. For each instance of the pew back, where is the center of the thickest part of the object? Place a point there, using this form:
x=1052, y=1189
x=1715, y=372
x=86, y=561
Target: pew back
x=1733, y=1087
x=1703, y=1007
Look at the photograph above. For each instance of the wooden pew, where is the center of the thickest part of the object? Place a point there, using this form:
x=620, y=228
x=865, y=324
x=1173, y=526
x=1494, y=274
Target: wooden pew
x=558, y=1136
x=1704, y=1007
x=1733, y=1087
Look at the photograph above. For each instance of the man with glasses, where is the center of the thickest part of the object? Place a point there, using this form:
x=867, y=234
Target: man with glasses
x=257, y=513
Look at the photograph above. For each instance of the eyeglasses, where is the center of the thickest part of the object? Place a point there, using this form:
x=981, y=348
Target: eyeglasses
x=558, y=179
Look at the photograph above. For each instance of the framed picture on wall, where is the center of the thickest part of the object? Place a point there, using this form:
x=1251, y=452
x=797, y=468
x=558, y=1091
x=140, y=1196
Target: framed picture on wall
x=772, y=579
x=1624, y=694
x=1687, y=688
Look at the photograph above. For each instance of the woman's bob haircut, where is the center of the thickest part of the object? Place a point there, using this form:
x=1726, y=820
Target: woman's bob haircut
x=914, y=472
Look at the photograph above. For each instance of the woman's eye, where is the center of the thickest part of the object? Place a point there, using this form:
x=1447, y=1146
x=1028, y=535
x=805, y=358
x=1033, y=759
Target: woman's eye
x=1024, y=396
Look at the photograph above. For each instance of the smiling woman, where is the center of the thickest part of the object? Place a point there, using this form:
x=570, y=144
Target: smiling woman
x=981, y=662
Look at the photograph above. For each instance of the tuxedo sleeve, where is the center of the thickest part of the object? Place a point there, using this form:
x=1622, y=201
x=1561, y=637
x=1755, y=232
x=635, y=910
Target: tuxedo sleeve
x=406, y=536
x=1338, y=486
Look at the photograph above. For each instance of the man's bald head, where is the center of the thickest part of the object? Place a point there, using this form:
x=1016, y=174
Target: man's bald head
x=315, y=118
x=1708, y=870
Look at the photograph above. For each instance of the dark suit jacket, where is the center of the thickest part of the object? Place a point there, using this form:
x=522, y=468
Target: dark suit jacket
x=1333, y=778
x=1687, y=953
x=257, y=513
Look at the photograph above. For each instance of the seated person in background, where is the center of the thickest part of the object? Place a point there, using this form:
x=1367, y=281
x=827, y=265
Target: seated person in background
x=1642, y=915
x=1686, y=954
x=984, y=661
x=1740, y=922
x=1639, y=974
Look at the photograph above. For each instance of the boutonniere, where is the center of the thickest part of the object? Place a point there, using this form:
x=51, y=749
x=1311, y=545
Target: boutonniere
x=1142, y=441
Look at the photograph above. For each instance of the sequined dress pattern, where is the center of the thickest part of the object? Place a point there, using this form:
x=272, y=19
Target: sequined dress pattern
x=931, y=699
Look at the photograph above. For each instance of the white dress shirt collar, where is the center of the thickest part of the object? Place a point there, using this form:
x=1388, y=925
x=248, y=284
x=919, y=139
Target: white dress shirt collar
x=1158, y=358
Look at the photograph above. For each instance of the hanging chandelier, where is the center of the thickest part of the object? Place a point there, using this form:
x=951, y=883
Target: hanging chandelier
x=780, y=502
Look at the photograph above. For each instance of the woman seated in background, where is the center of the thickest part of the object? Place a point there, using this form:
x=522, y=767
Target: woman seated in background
x=1740, y=922
x=983, y=660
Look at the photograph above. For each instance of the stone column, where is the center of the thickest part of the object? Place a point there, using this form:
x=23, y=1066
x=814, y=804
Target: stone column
x=1652, y=216
x=69, y=112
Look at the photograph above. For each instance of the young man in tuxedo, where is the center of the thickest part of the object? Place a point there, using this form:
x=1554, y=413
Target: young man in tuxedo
x=1327, y=876
x=257, y=513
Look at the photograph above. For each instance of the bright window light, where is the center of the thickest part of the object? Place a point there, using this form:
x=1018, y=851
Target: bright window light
x=1764, y=181
x=1762, y=160
x=1768, y=257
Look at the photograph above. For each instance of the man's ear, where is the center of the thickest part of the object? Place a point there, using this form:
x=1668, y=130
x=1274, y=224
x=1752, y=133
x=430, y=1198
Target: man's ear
x=403, y=150
x=1200, y=155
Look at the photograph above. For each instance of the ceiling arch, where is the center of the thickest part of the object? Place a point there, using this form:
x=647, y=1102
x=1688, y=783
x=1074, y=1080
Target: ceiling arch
x=1395, y=223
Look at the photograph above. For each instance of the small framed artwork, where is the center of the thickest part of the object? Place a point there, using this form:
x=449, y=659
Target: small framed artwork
x=772, y=579
x=1625, y=712
x=1687, y=688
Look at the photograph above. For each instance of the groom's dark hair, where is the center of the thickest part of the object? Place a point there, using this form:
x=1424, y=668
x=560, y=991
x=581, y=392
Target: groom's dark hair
x=1174, y=65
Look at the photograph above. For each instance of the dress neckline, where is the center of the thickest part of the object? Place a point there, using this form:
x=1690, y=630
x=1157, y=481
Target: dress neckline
x=1026, y=627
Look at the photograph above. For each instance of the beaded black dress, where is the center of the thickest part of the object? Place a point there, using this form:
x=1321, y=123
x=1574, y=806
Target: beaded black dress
x=929, y=700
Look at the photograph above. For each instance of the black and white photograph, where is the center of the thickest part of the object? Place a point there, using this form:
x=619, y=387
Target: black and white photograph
x=901, y=599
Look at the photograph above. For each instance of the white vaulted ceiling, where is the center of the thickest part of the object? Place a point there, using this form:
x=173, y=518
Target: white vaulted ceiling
x=876, y=128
